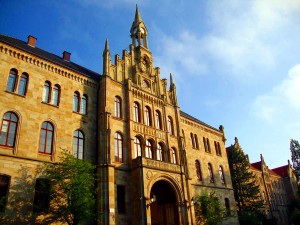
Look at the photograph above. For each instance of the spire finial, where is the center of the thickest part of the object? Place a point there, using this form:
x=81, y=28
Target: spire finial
x=106, y=47
x=138, y=17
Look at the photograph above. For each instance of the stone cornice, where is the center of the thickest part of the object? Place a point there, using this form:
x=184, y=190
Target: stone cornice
x=46, y=65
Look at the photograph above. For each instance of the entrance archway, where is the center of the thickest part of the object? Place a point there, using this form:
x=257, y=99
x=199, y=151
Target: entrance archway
x=164, y=210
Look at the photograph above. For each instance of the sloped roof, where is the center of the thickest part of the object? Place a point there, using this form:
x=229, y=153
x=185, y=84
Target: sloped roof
x=184, y=114
x=281, y=171
x=48, y=56
x=256, y=165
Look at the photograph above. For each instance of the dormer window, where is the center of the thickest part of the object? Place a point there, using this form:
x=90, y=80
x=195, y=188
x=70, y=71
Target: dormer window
x=146, y=84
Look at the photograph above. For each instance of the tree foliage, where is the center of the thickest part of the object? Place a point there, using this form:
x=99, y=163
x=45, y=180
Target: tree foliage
x=295, y=151
x=72, y=197
x=246, y=192
x=208, y=209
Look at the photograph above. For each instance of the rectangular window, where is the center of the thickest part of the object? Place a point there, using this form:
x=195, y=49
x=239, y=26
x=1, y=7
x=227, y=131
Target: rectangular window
x=121, y=198
x=4, y=186
x=42, y=195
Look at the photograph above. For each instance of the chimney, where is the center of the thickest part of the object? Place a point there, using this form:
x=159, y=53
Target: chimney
x=66, y=56
x=31, y=41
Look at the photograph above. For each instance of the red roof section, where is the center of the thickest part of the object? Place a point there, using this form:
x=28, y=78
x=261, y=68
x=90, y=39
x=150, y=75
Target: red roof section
x=282, y=171
x=256, y=165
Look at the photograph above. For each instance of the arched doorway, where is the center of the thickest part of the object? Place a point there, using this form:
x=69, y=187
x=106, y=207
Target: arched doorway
x=164, y=210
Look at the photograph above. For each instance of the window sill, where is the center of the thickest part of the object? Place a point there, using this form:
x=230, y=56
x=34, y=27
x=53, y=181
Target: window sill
x=13, y=93
x=78, y=113
x=118, y=118
x=46, y=103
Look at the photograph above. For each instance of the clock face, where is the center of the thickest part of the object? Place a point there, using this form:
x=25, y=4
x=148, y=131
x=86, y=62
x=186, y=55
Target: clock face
x=134, y=30
x=142, y=30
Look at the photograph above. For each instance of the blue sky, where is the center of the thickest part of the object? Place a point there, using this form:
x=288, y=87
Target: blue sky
x=235, y=62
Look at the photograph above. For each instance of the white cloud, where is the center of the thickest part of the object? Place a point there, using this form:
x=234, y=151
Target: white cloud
x=245, y=39
x=282, y=102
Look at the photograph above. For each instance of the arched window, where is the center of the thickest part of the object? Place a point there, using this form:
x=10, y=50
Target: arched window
x=219, y=148
x=46, y=138
x=76, y=102
x=193, y=140
x=198, y=170
x=56, y=95
x=170, y=125
x=46, y=94
x=158, y=120
x=211, y=174
x=208, y=145
x=173, y=156
x=136, y=112
x=159, y=152
x=118, y=145
x=23, y=84
x=4, y=186
x=148, y=120
x=137, y=147
x=221, y=173
x=148, y=150
x=78, y=144
x=118, y=112
x=9, y=129
x=12, y=80
x=84, y=105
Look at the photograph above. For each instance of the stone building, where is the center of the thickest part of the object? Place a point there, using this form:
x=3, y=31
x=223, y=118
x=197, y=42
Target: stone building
x=152, y=158
x=278, y=187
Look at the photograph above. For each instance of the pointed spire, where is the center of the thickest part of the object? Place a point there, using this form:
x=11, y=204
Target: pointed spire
x=138, y=17
x=106, y=48
x=172, y=85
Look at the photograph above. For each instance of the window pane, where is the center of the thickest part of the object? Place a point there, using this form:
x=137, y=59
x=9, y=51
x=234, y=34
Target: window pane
x=117, y=107
x=76, y=102
x=11, y=81
x=42, y=195
x=55, y=95
x=8, y=129
x=11, y=134
x=22, y=84
x=46, y=92
x=137, y=147
x=83, y=105
x=46, y=138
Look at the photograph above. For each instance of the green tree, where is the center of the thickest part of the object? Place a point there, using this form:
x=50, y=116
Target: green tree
x=208, y=209
x=295, y=151
x=72, y=197
x=246, y=192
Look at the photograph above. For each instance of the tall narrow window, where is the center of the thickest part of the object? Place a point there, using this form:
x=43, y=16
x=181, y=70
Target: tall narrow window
x=221, y=173
x=84, y=104
x=46, y=94
x=56, y=94
x=193, y=140
x=136, y=112
x=78, y=144
x=205, y=144
x=170, y=125
x=173, y=156
x=118, y=145
x=8, y=129
x=148, y=150
x=118, y=107
x=137, y=147
x=198, y=170
x=227, y=205
x=208, y=145
x=12, y=80
x=23, y=84
x=76, y=102
x=42, y=195
x=159, y=152
x=158, y=119
x=211, y=174
x=196, y=141
x=121, y=199
x=4, y=186
x=148, y=116
x=219, y=148
x=46, y=138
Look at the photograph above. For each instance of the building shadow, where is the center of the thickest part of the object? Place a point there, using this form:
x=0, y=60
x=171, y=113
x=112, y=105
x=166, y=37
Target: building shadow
x=19, y=209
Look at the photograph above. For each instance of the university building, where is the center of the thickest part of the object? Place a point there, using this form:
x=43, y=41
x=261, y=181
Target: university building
x=152, y=158
x=278, y=188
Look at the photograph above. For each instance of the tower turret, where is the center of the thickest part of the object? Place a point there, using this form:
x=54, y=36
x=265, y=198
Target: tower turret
x=106, y=58
x=138, y=31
